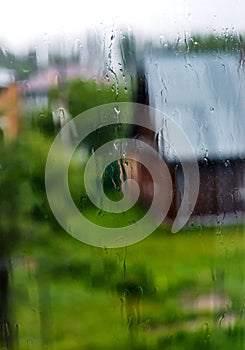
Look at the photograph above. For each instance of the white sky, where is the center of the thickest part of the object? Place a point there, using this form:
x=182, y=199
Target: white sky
x=23, y=22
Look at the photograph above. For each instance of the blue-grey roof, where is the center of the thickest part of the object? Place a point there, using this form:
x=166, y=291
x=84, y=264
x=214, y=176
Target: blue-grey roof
x=205, y=95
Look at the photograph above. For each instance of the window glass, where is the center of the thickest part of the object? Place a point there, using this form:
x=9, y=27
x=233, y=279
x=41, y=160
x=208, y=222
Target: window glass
x=122, y=158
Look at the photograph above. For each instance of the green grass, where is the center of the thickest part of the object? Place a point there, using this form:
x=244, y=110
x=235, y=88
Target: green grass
x=73, y=296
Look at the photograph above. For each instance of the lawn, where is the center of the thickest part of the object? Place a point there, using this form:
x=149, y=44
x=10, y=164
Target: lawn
x=168, y=291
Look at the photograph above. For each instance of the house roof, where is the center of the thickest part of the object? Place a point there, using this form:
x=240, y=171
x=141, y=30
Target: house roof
x=50, y=77
x=204, y=95
x=43, y=80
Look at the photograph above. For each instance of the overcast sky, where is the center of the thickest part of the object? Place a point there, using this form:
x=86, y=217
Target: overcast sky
x=24, y=22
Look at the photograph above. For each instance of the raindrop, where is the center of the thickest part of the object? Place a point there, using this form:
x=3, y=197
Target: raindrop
x=206, y=160
x=117, y=110
x=202, y=151
x=107, y=78
x=116, y=145
x=100, y=213
x=162, y=39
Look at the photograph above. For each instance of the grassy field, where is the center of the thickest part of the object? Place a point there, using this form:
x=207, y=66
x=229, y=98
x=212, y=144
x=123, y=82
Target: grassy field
x=180, y=291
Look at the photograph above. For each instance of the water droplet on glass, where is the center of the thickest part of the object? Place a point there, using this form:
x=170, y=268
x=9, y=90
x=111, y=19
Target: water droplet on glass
x=206, y=160
x=202, y=151
x=117, y=110
x=116, y=145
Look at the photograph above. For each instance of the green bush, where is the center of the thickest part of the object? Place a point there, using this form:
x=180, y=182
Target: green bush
x=83, y=95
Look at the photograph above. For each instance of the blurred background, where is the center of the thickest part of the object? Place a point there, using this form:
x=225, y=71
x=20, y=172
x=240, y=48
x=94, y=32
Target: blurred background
x=169, y=291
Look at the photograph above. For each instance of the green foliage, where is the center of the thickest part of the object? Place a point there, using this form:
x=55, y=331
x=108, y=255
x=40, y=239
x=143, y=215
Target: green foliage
x=42, y=122
x=197, y=43
x=12, y=182
x=24, y=210
x=83, y=95
x=218, y=43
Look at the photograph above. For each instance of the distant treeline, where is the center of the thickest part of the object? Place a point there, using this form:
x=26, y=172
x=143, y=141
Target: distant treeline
x=225, y=42
x=201, y=43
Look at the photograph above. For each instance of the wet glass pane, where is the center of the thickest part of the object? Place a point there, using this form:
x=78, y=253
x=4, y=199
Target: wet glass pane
x=122, y=160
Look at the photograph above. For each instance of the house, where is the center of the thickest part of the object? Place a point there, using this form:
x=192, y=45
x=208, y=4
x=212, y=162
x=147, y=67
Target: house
x=9, y=104
x=36, y=89
x=204, y=95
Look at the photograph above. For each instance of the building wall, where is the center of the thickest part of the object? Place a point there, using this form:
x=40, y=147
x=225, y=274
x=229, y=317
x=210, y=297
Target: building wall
x=221, y=191
x=9, y=110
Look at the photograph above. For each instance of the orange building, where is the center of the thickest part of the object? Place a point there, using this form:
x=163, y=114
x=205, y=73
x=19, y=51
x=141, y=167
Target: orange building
x=9, y=110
